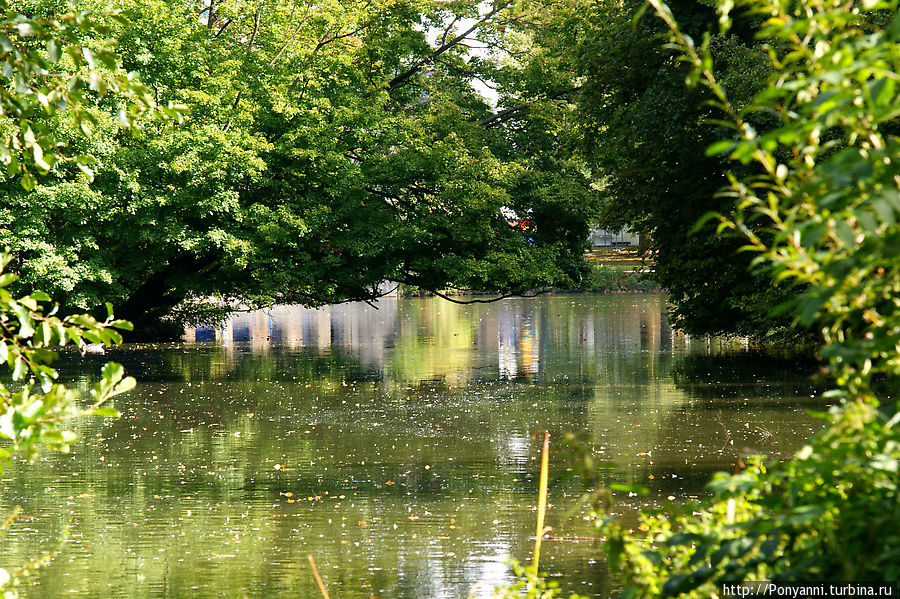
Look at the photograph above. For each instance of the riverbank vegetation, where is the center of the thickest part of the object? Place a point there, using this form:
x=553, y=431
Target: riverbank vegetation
x=817, y=208
x=621, y=269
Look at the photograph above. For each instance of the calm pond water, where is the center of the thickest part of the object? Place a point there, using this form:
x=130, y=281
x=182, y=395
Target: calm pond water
x=395, y=445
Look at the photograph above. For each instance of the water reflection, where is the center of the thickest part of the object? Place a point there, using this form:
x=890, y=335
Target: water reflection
x=427, y=339
x=393, y=444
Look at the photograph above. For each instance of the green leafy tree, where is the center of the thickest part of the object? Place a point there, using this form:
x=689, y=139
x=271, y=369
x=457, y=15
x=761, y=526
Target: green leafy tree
x=39, y=89
x=645, y=135
x=331, y=147
x=826, y=204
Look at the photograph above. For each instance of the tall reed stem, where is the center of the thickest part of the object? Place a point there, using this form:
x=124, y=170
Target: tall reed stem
x=542, y=502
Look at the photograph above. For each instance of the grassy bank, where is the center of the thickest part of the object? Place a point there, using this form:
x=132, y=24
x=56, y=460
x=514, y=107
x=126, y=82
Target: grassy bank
x=620, y=269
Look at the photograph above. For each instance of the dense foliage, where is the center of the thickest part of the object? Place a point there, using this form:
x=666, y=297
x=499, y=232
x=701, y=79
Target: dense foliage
x=330, y=147
x=826, y=201
x=645, y=135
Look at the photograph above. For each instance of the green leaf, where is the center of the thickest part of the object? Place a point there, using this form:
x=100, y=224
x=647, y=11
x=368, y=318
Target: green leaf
x=701, y=222
x=89, y=173
x=27, y=29
x=720, y=147
x=20, y=369
x=112, y=371
x=39, y=296
x=127, y=384
x=26, y=322
x=638, y=14
x=845, y=234
x=27, y=181
x=7, y=429
x=53, y=51
x=106, y=412
x=122, y=324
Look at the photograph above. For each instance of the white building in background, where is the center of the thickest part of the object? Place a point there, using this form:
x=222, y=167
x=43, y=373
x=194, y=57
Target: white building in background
x=601, y=238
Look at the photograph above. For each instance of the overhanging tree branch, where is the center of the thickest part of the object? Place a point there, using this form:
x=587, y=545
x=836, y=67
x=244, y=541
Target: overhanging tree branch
x=489, y=300
x=403, y=77
x=507, y=113
x=471, y=300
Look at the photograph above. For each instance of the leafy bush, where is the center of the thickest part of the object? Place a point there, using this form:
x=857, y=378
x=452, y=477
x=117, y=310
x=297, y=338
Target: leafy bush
x=831, y=513
x=36, y=410
x=529, y=585
x=828, y=195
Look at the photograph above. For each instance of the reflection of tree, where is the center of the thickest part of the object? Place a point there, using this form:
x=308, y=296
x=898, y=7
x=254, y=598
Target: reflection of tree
x=204, y=363
x=436, y=341
x=728, y=373
x=408, y=340
x=741, y=403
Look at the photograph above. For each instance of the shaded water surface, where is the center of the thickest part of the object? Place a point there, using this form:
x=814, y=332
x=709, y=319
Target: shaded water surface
x=394, y=445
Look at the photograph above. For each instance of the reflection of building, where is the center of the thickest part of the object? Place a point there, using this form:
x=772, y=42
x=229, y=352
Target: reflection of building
x=603, y=238
x=518, y=341
x=358, y=327
x=430, y=339
x=530, y=347
x=506, y=345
